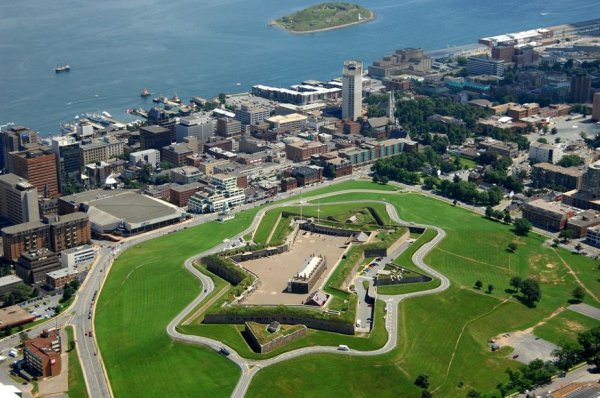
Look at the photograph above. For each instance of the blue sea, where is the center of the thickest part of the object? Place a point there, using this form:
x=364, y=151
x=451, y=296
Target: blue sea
x=200, y=47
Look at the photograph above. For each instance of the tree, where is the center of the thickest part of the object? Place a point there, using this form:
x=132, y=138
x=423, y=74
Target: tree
x=578, y=247
x=578, y=293
x=478, y=285
x=473, y=394
x=522, y=226
x=590, y=346
x=384, y=180
x=23, y=336
x=507, y=218
x=67, y=293
x=542, y=140
x=531, y=291
x=567, y=354
x=222, y=97
x=516, y=283
x=570, y=161
x=8, y=331
x=422, y=381
x=554, y=131
x=426, y=394
x=490, y=288
x=489, y=211
x=512, y=247
x=566, y=235
x=75, y=284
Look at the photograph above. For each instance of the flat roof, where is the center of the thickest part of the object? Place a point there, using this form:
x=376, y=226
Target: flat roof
x=14, y=315
x=135, y=208
x=571, y=171
x=9, y=280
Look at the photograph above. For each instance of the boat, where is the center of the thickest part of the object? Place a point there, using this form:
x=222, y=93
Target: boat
x=106, y=114
x=62, y=68
x=97, y=118
x=176, y=99
x=238, y=84
x=145, y=93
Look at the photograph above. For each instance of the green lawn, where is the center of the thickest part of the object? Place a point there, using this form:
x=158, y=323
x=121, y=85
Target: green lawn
x=146, y=287
x=445, y=335
x=76, y=382
x=564, y=327
x=322, y=16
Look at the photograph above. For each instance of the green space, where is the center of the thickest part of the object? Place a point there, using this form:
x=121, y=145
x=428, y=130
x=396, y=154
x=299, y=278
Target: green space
x=324, y=16
x=76, y=381
x=445, y=335
x=467, y=163
x=564, y=327
x=264, y=336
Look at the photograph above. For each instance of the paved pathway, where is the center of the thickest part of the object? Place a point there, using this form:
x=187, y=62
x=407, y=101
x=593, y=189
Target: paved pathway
x=586, y=309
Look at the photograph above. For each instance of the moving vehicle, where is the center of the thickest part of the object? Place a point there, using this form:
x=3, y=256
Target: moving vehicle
x=62, y=68
x=224, y=351
x=358, y=323
x=343, y=347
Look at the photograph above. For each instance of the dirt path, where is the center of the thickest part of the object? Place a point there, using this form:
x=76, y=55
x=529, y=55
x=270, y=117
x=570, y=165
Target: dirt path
x=574, y=274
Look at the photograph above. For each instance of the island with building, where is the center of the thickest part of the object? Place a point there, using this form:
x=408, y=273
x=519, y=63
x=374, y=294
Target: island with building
x=323, y=17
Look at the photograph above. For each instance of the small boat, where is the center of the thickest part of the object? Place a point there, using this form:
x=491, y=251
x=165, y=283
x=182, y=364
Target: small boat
x=238, y=84
x=145, y=93
x=176, y=99
x=62, y=68
x=106, y=114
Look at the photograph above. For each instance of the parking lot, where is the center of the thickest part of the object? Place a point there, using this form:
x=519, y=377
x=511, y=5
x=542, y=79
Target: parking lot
x=43, y=306
x=527, y=346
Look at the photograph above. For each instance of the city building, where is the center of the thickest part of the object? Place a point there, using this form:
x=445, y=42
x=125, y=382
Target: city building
x=101, y=150
x=156, y=137
x=581, y=88
x=485, y=66
x=371, y=151
x=518, y=112
x=304, y=281
x=540, y=152
x=404, y=60
x=59, y=278
x=593, y=236
x=68, y=160
x=221, y=194
x=179, y=195
x=200, y=127
x=352, y=90
x=79, y=256
x=306, y=175
x=18, y=199
x=289, y=122
x=299, y=94
x=581, y=222
x=302, y=150
x=38, y=166
x=228, y=127
x=547, y=215
x=148, y=156
x=14, y=316
x=596, y=107
x=506, y=149
x=14, y=139
x=185, y=175
x=546, y=175
x=24, y=237
x=42, y=354
x=33, y=265
x=288, y=183
x=251, y=114
x=175, y=154
x=8, y=283
x=68, y=230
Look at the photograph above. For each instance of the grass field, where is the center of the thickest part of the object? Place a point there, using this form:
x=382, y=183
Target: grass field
x=76, y=381
x=445, y=335
x=564, y=327
x=323, y=16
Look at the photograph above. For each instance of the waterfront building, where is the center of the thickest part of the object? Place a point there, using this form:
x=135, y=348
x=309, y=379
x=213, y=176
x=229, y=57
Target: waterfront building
x=156, y=137
x=18, y=199
x=485, y=66
x=68, y=160
x=352, y=90
x=38, y=166
x=201, y=127
x=299, y=94
x=102, y=149
x=404, y=60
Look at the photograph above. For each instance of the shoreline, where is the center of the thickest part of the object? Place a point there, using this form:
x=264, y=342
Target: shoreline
x=372, y=17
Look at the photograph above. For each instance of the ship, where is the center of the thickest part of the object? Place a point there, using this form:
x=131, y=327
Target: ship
x=145, y=93
x=97, y=118
x=62, y=68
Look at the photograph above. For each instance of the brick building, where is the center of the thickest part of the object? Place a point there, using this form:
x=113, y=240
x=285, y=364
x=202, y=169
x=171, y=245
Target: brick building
x=180, y=194
x=302, y=151
x=546, y=175
x=69, y=230
x=38, y=166
x=23, y=237
x=175, y=154
x=42, y=354
x=547, y=215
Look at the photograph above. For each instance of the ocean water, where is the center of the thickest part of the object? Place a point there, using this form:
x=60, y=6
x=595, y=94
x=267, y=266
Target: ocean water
x=201, y=47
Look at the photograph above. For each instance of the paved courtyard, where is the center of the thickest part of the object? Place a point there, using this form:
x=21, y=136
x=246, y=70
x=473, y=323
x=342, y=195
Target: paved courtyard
x=275, y=271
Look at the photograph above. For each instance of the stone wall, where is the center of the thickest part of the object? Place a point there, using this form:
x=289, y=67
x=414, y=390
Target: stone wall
x=253, y=255
x=318, y=324
x=273, y=344
x=384, y=281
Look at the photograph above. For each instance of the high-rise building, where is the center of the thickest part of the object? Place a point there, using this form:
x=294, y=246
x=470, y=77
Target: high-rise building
x=18, y=199
x=16, y=138
x=155, y=137
x=68, y=160
x=101, y=149
x=596, y=107
x=201, y=127
x=352, y=90
x=23, y=237
x=485, y=66
x=38, y=166
x=69, y=230
x=581, y=88
x=251, y=114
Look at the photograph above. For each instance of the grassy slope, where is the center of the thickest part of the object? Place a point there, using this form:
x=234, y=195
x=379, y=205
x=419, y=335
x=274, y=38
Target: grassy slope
x=564, y=327
x=138, y=301
x=76, y=381
x=431, y=326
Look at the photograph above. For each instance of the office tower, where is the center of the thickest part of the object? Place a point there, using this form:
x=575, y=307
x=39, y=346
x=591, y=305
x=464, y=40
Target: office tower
x=352, y=90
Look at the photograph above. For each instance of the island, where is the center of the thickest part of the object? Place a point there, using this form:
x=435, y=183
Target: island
x=324, y=16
